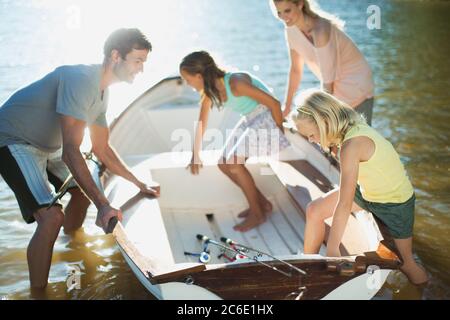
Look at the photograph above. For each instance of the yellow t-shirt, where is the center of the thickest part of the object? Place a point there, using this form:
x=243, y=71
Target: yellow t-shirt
x=382, y=178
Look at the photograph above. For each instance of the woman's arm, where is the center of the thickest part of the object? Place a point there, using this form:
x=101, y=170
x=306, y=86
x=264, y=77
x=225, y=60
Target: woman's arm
x=202, y=124
x=326, y=53
x=295, y=77
x=350, y=158
x=242, y=86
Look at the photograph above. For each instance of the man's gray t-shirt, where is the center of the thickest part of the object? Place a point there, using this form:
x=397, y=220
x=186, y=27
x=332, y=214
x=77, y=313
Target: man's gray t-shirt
x=31, y=115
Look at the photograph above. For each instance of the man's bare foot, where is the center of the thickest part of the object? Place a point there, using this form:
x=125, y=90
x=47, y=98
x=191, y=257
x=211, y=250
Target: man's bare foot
x=266, y=206
x=253, y=220
x=415, y=273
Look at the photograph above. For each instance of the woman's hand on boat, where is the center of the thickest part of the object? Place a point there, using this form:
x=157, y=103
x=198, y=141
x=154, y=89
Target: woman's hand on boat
x=195, y=165
x=152, y=190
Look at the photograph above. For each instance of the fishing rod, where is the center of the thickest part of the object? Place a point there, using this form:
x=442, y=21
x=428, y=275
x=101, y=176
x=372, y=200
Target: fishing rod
x=65, y=186
x=239, y=252
x=260, y=253
x=231, y=259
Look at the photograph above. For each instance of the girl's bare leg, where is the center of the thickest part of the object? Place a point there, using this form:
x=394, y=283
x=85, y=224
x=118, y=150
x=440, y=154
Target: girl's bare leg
x=265, y=204
x=317, y=212
x=415, y=273
x=242, y=177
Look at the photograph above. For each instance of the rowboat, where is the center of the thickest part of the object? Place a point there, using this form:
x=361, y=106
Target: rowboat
x=182, y=245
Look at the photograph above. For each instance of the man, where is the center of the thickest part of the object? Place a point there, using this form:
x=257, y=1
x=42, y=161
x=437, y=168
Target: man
x=50, y=114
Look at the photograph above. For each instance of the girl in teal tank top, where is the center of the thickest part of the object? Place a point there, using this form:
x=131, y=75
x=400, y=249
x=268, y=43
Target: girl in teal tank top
x=372, y=179
x=261, y=124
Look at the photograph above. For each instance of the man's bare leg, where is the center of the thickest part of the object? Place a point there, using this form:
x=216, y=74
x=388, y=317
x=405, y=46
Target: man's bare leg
x=40, y=248
x=75, y=212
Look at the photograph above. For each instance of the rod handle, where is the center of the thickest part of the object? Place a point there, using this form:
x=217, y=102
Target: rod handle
x=202, y=237
x=226, y=240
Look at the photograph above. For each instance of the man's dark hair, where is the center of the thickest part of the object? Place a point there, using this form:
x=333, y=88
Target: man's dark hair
x=125, y=40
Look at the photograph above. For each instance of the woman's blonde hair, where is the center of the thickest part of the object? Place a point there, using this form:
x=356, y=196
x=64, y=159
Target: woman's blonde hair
x=332, y=116
x=312, y=9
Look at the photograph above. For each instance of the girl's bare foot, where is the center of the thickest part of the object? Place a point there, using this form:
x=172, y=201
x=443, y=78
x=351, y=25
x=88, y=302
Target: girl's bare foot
x=415, y=273
x=266, y=206
x=252, y=220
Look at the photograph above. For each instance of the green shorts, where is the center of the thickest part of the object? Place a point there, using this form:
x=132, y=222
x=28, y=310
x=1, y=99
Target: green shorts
x=398, y=217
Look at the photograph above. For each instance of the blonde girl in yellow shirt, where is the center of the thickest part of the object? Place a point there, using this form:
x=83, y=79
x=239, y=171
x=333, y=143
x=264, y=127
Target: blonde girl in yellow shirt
x=372, y=178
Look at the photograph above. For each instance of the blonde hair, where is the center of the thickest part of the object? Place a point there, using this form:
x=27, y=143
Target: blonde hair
x=312, y=9
x=332, y=116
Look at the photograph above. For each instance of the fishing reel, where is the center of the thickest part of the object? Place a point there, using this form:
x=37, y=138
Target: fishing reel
x=237, y=256
x=203, y=257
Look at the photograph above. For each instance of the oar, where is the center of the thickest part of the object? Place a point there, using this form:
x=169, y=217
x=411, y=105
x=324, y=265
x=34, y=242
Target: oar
x=61, y=192
x=63, y=189
x=111, y=225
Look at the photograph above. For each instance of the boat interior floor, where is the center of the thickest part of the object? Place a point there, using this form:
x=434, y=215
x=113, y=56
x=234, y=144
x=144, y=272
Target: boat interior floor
x=209, y=204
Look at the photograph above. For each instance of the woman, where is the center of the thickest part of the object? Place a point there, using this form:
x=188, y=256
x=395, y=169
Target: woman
x=259, y=132
x=372, y=178
x=316, y=38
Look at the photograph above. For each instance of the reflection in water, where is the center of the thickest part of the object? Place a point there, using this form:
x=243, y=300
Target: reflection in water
x=104, y=273
x=409, y=57
x=412, y=78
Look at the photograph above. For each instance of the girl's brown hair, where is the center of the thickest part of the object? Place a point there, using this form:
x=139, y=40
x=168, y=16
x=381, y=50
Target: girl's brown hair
x=201, y=62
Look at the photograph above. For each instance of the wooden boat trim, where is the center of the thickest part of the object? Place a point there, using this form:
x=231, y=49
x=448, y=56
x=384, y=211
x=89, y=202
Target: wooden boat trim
x=144, y=264
x=253, y=281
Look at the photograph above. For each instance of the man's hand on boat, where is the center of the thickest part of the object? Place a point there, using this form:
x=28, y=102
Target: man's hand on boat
x=105, y=214
x=195, y=164
x=152, y=189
